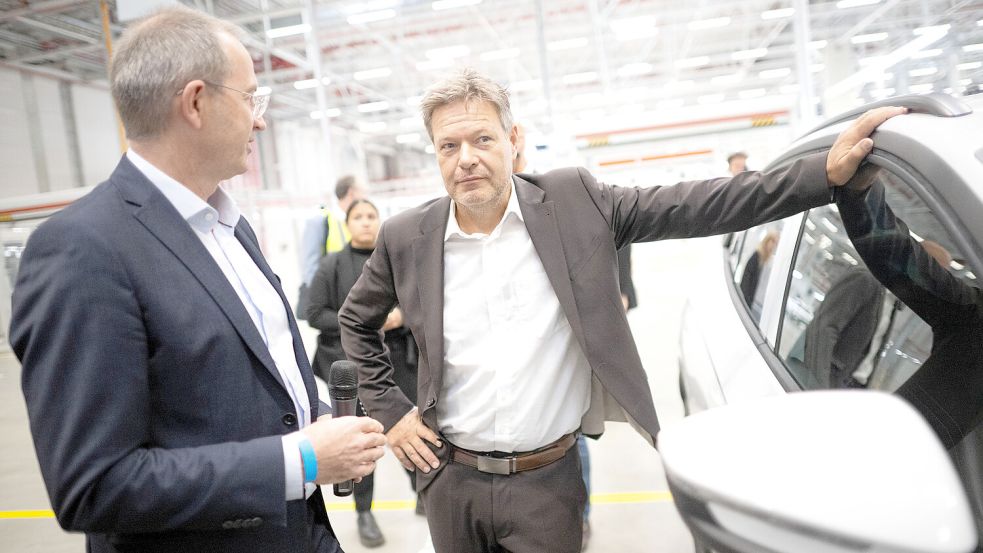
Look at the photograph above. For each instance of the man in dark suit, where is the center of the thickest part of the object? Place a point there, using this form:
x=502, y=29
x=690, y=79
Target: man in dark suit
x=510, y=287
x=170, y=399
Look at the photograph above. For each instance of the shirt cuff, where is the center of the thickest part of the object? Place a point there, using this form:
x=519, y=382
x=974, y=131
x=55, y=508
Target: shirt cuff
x=293, y=466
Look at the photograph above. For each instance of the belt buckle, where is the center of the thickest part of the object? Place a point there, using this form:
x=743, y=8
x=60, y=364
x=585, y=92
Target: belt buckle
x=495, y=465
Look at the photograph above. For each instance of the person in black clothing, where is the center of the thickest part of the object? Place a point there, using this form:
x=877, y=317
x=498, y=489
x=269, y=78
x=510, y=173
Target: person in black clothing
x=948, y=388
x=334, y=278
x=751, y=276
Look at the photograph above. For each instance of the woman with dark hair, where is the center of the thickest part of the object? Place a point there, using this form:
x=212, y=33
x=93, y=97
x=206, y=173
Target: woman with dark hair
x=334, y=278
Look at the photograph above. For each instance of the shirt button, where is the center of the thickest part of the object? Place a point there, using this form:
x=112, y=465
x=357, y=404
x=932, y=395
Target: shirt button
x=289, y=419
x=431, y=402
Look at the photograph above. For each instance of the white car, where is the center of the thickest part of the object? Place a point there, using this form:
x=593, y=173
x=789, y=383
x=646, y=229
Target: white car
x=796, y=308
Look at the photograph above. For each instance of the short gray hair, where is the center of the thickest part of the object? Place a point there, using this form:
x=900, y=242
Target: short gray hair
x=156, y=57
x=467, y=85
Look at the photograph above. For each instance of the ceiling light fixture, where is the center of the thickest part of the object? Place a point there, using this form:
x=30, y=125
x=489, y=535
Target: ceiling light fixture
x=845, y=4
x=868, y=38
x=634, y=69
x=289, y=30
x=927, y=54
x=372, y=126
x=752, y=93
x=634, y=27
x=698, y=61
x=710, y=99
x=449, y=52
x=775, y=73
x=503, y=54
x=310, y=83
x=752, y=54
x=370, y=17
x=703, y=24
x=580, y=78
x=567, y=44
x=370, y=107
x=376, y=73
x=449, y=4
x=330, y=112
x=780, y=13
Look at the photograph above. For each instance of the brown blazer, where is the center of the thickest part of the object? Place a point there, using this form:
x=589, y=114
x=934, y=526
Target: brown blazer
x=576, y=225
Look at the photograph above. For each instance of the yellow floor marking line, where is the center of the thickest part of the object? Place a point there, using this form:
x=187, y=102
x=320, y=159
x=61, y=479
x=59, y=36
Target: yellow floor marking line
x=622, y=498
x=14, y=515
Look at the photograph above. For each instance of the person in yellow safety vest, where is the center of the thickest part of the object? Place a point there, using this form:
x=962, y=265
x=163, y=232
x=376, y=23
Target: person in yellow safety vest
x=325, y=234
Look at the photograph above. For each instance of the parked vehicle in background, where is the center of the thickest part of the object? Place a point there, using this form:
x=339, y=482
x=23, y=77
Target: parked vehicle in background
x=816, y=318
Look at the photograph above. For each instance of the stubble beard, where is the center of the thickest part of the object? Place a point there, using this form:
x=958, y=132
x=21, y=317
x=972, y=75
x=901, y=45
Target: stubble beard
x=483, y=208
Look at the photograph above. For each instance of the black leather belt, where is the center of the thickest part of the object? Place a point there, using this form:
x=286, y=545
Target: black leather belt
x=519, y=462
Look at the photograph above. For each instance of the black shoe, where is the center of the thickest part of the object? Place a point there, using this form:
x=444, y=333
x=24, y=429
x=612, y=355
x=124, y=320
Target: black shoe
x=368, y=531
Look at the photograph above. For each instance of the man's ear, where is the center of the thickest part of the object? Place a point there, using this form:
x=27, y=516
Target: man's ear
x=190, y=103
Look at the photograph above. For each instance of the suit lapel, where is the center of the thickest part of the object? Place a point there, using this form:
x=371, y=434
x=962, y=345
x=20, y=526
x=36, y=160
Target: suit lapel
x=159, y=217
x=244, y=233
x=541, y=223
x=428, y=254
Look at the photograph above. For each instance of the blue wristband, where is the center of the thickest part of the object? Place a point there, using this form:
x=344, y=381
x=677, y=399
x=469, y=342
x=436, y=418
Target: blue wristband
x=309, y=460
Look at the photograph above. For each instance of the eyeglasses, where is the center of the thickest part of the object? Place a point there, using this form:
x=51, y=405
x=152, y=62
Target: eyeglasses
x=258, y=101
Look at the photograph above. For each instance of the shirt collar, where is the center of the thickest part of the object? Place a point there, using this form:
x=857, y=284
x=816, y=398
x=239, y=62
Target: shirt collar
x=202, y=215
x=454, y=229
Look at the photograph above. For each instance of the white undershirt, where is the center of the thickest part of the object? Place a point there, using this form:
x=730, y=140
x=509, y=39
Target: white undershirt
x=214, y=223
x=515, y=377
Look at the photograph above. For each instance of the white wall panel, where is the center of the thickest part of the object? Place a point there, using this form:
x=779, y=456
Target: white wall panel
x=53, y=134
x=18, y=176
x=97, y=135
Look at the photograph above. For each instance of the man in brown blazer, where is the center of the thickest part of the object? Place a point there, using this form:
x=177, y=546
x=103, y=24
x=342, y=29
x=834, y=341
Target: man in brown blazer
x=509, y=285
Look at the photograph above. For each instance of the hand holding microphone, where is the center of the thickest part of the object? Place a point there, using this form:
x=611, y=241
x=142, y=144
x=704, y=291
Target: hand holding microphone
x=346, y=446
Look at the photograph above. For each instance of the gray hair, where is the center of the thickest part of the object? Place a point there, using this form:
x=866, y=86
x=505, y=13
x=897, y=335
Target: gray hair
x=157, y=57
x=467, y=85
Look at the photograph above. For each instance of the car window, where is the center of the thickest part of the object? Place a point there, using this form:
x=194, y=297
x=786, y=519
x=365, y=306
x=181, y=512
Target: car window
x=754, y=265
x=841, y=328
x=734, y=244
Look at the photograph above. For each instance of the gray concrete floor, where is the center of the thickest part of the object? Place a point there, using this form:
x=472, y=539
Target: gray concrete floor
x=632, y=511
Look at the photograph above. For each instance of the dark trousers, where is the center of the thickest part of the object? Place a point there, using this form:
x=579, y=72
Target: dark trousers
x=536, y=511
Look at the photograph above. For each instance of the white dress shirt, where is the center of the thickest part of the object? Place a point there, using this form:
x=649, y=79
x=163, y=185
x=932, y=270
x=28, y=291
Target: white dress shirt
x=214, y=223
x=515, y=377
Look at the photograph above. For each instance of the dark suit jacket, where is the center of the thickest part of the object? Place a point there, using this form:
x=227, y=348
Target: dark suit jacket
x=156, y=408
x=839, y=335
x=576, y=225
x=948, y=388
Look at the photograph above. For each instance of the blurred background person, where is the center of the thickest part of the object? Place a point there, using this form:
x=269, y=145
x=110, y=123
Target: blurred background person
x=756, y=272
x=326, y=233
x=334, y=278
x=736, y=163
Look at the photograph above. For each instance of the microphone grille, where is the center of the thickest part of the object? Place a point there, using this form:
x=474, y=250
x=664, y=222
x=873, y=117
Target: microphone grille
x=343, y=375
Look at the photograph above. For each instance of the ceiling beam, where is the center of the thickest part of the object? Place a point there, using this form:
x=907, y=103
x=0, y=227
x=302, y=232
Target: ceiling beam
x=42, y=7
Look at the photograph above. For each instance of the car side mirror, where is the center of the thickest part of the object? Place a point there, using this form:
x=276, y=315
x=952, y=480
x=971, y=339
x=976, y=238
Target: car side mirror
x=825, y=471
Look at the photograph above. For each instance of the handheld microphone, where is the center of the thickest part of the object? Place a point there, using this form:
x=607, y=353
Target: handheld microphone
x=343, y=391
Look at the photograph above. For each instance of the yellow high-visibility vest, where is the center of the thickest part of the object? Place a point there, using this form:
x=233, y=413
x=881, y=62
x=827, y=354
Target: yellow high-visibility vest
x=338, y=234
